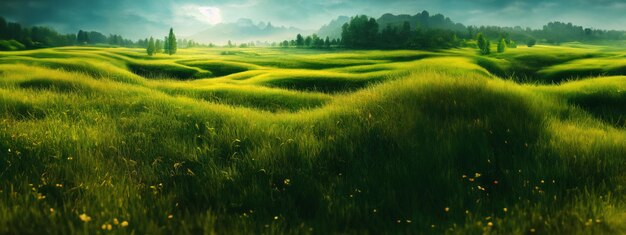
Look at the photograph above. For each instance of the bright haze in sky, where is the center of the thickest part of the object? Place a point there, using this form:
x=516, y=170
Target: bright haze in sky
x=140, y=18
x=203, y=14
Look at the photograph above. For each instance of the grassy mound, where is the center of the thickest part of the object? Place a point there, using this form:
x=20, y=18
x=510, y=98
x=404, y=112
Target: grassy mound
x=221, y=68
x=11, y=45
x=319, y=81
x=164, y=70
x=423, y=145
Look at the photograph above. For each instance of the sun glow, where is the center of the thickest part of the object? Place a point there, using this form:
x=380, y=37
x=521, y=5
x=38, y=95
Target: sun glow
x=211, y=15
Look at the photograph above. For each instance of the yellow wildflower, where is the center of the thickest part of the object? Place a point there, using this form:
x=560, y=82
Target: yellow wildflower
x=84, y=217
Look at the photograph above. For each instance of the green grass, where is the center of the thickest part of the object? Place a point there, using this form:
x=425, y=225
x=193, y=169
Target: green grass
x=312, y=142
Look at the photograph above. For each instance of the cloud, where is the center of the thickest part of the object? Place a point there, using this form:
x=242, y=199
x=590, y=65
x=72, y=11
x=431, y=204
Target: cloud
x=212, y=15
x=207, y=15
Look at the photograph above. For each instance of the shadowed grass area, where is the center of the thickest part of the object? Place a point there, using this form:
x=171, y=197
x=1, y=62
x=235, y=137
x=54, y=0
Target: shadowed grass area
x=346, y=142
x=329, y=82
x=273, y=100
x=163, y=70
x=221, y=68
x=549, y=64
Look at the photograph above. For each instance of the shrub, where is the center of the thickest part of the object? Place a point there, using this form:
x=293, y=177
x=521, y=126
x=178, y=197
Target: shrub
x=11, y=45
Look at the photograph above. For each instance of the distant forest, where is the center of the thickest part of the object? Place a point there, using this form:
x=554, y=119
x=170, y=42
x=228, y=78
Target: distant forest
x=419, y=31
x=14, y=36
x=425, y=31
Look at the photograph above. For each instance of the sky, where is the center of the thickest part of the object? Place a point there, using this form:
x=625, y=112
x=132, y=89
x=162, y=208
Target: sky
x=141, y=18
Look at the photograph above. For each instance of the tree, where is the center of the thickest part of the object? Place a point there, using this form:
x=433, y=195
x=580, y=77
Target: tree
x=531, y=42
x=487, y=49
x=96, y=37
x=171, y=43
x=389, y=36
x=470, y=31
x=360, y=32
x=158, y=46
x=318, y=42
x=14, y=31
x=3, y=28
x=299, y=41
x=346, y=35
x=501, y=45
x=151, y=47
x=327, y=42
x=405, y=34
x=166, y=46
x=82, y=37
x=118, y=40
x=483, y=44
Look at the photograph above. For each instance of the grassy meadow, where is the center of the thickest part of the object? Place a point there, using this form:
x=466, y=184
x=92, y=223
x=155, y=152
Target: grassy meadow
x=288, y=141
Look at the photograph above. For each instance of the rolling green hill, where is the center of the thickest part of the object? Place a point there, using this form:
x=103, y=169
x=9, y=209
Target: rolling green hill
x=239, y=141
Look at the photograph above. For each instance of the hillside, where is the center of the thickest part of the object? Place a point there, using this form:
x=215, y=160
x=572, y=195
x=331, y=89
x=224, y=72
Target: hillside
x=333, y=29
x=289, y=141
x=244, y=31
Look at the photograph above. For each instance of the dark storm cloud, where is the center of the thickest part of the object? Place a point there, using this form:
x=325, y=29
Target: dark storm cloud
x=140, y=18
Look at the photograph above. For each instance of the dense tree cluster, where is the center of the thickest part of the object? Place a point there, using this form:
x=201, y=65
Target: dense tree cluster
x=311, y=41
x=32, y=37
x=423, y=20
x=360, y=32
x=553, y=33
x=169, y=44
x=420, y=31
x=363, y=32
x=40, y=37
x=15, y=37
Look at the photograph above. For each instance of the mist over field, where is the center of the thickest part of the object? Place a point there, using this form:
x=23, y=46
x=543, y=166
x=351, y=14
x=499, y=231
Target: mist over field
x=312, y=117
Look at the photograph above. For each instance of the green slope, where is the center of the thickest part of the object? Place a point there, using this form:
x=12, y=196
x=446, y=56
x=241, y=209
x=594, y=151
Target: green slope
x=289, y=141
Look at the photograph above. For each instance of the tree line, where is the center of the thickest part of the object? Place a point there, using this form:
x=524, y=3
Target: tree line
x=551, y=33
x=421, y=31
x=363, y=32
x=311, y=41
x=169, y=45
x=14, y=36
x=19, y=37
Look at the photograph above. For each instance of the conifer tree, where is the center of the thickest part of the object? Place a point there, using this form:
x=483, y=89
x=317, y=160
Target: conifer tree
x=531, y=42
x=171, y=42
x=483, y=44
x=158, y=46
x=166, y=46
x=151, y=47
x=501, y=45
x=299, y=41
